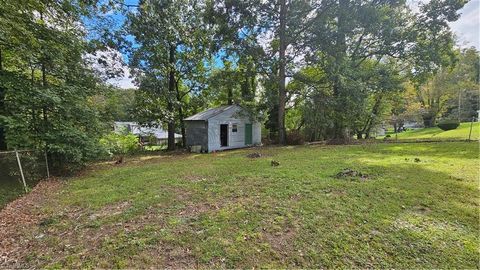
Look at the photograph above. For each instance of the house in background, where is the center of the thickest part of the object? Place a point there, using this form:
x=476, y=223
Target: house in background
x=408, y=124
x=145, y=134
x=221, y=128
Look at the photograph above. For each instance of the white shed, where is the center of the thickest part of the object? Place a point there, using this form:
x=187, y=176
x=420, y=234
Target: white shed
x=225, y=127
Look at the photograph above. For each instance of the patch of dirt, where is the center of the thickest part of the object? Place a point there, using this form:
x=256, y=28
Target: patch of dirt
x=254, y=155
x=296, y=197
x=19, y=216
x=172, y=257
x=350, y=173
x=281, y=242
x=111, y=210
x=193, y=210
x=422, y=209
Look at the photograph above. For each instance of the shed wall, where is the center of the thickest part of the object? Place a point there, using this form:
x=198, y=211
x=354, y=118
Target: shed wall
x=235, y=139
x=197, y=134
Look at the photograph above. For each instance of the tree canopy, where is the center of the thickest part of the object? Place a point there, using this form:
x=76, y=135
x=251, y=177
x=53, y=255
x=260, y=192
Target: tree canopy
x=329, y=69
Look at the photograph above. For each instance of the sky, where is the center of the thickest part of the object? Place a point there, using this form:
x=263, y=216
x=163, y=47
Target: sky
x=466, y=29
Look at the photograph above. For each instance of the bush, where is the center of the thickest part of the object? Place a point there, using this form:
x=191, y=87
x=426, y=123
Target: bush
x=295, y=138
x=120, y=144
x=448, y=125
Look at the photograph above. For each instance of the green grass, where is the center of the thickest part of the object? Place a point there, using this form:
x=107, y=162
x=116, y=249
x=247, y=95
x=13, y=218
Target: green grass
x=225, y=210
x=434, y=133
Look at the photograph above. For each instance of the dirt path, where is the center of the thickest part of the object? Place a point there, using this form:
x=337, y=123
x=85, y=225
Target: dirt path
x=20, y=216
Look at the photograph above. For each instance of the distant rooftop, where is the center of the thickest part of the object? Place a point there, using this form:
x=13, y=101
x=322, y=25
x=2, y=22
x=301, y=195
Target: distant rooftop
x=205, y=115
x=138, y=130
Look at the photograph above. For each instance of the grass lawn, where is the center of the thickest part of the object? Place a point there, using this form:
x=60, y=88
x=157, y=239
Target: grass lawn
x=434, y=133
x=226, y=210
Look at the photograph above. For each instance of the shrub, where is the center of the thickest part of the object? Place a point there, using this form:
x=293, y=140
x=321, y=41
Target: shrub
x=295, y=138
x=120, y=144
x=448, y=125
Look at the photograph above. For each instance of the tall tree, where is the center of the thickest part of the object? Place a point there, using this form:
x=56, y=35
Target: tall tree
x=45, y=83
x=347, y=33
x=282, y=139
x=267, y=32
x=172, y=43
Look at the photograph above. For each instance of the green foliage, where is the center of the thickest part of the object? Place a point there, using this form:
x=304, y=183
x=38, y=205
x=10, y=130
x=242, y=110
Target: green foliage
x=448, y=124
x=46, y=88
x=60, y=119
x=120, y=144
x=169, y=59
x=115, y=104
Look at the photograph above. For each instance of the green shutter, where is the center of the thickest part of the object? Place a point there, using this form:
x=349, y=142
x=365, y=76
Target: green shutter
x=248, y=133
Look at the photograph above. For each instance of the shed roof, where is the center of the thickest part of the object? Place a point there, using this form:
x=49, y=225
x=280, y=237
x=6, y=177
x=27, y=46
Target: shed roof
x=205, y=115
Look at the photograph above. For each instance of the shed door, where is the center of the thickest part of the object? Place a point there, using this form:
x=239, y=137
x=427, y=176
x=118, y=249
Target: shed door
x=248, y=133
x=223, y=135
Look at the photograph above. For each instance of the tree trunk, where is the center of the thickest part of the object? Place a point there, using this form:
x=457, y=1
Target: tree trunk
x=282, y=138
x=428, y=120
x=171, y=93
x=338, y=91
x=180, y=114
x=373, y=116
x=400, y=126
x=3, y=143
x=44, y=108
x=230, y=96
x=245, y=88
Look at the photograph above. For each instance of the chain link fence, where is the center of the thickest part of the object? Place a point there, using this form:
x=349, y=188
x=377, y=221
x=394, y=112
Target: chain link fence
x=20, y=171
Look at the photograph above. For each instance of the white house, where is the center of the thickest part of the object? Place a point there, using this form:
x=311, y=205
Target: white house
x=145, y=133
x=225, y=127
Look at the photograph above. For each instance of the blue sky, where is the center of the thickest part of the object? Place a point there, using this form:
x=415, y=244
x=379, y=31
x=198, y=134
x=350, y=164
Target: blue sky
x=466, y=29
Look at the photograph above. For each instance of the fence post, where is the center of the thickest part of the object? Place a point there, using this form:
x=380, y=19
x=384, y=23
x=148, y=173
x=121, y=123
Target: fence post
x=46, y=164
x=21, y=171
x=471, y=126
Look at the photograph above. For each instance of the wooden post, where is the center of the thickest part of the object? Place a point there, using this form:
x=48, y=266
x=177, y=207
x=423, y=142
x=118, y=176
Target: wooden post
x=46, y=163
x=471, y=126
x=21, y=171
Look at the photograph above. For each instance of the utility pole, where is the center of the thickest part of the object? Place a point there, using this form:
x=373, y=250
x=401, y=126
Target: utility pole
x=459, y=105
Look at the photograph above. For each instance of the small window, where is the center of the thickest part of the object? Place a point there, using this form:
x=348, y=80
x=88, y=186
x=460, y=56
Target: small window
x=234, y=128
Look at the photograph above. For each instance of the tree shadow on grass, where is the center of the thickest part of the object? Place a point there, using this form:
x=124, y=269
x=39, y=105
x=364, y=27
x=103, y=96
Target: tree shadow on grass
x=419, y=219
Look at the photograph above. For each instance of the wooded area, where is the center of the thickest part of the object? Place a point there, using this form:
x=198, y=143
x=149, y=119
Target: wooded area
x=310, y=70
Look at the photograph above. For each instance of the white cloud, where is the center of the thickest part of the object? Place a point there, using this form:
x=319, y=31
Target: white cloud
x=110, y=63
x=124, y=82
x=467, y=27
